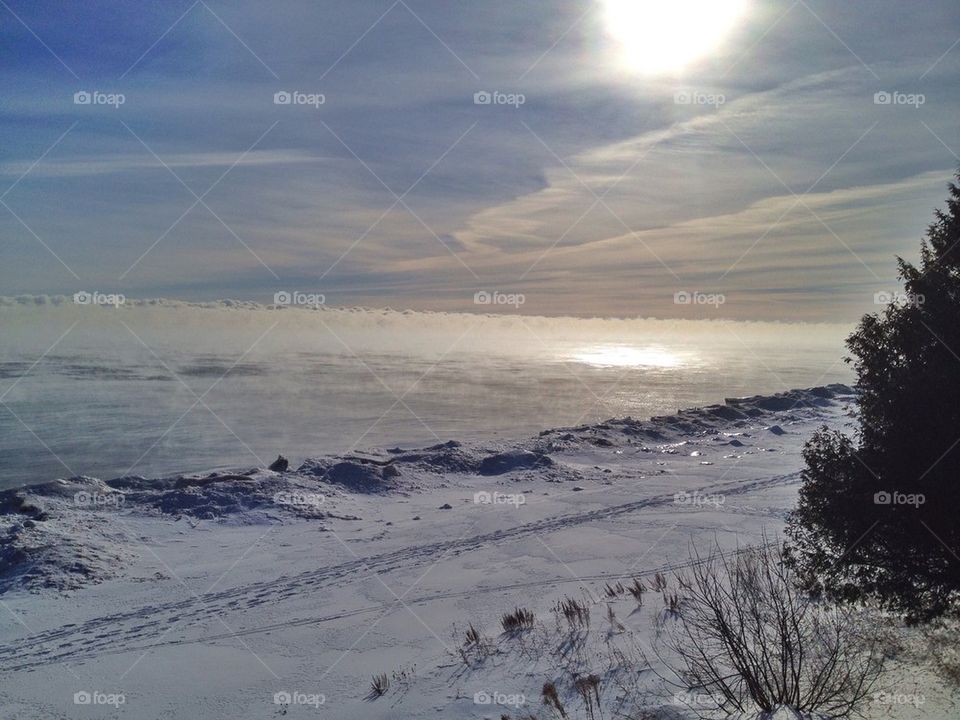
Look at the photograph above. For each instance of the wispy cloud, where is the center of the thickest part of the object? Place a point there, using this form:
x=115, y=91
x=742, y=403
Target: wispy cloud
x=100, y=165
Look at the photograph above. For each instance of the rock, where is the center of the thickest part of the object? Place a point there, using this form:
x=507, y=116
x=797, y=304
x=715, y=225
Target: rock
x=390, y=471
x=577, y=488
x=776, y=430
x=280, y=464
x=446, y=506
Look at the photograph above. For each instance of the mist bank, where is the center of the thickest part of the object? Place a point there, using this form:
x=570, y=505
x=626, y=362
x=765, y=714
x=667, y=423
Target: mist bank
x=108, y=321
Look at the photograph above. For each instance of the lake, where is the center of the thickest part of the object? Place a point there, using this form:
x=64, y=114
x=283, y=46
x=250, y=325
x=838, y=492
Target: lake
x=153, y=388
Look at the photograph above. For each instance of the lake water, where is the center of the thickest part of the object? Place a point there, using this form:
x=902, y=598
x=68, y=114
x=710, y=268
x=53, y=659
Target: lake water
x=159, y=389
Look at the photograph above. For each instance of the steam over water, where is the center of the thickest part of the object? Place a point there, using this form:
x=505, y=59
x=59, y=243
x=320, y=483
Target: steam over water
x=151, y=389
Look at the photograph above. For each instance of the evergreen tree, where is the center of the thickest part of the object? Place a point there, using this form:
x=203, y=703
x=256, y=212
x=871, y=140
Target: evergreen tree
x=879, y=514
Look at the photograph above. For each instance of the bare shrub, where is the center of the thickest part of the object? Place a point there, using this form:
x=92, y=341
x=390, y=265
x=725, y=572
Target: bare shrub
x=403, y=676
x=659, y=582
x=637, y=589
x=379, y=685
x=588, y=688
x=551, y=698
x=751, y=640
x=576, y=613
x=475, y=646
x=672, y=602
x=614, y=591
x=473, y=638
x=519, y=619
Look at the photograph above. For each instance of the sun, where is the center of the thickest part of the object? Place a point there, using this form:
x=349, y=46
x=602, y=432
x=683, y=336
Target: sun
x=663, y=36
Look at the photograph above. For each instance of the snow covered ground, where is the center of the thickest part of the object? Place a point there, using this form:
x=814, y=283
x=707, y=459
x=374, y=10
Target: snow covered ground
x=259, y=594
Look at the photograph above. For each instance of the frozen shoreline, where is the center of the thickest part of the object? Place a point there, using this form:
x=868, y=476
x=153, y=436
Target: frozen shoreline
x=310, y=491
x=211, y=595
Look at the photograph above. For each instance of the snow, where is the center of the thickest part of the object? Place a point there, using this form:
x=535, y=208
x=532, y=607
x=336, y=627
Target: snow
x=213, y=595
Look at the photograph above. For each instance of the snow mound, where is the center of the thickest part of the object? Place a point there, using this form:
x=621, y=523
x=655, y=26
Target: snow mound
x=511, y=460
x=360, y=477
x=447, y=457
x=822, y=396
x=354, y=474
x=37, y=556
x=65, y=534
x=709, y=420
x=45, y=543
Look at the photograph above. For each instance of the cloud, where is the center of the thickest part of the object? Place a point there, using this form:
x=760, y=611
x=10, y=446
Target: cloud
x=727, y=198
x=101, y=165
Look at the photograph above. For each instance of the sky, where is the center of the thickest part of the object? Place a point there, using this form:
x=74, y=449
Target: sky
x=749, y=159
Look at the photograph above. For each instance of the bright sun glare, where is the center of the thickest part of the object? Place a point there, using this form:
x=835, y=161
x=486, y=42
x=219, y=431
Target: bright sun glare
x=658, y=36
x=627, y=356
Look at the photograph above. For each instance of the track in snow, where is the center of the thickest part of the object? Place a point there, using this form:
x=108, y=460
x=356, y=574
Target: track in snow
x=125, y=632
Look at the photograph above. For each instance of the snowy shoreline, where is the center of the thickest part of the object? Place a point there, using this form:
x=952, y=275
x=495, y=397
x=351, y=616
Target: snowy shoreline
x=214, y=595
x=311, y=491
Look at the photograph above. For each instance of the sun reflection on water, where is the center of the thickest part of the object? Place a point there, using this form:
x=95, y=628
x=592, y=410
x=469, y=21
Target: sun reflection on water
x=628, y=356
